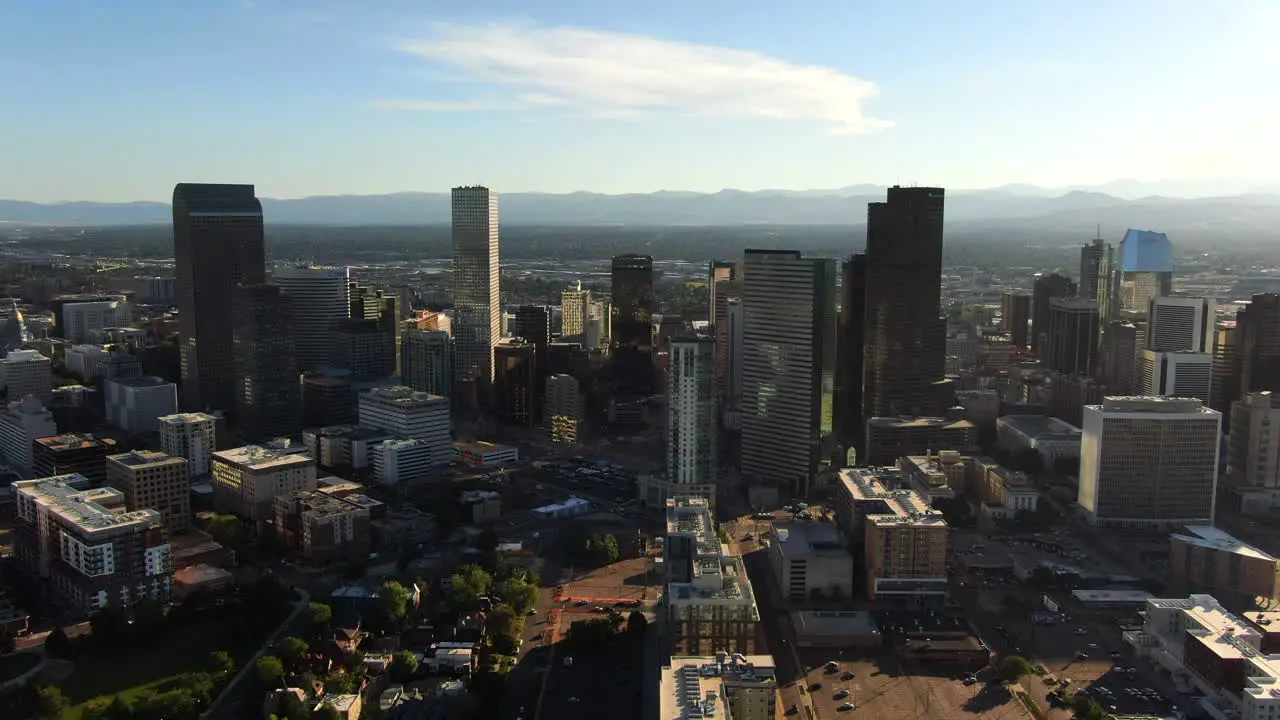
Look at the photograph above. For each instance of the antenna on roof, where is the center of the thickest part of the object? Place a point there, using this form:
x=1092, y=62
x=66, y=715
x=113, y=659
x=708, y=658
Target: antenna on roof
x=1098, y=235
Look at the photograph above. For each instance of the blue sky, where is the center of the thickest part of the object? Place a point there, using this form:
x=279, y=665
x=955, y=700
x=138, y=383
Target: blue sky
x=119, y=100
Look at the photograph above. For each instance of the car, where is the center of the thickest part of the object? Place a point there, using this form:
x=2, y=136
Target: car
x=1093, y=646
x=847, y=676
x=844, y=707
x=573, y=700
x=1080, y=631
x=815, y=686
x=531, y=612
x=832, y=665
x=581, y=603
x=568, y=661
x=971, y=681
x=840, y=695
x=599, y=609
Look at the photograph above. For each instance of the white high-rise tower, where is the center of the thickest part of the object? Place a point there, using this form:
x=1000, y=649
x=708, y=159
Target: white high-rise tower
x=477, y=325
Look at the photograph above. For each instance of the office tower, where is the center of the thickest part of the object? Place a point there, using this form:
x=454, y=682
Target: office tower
x=632, y=331
x=27, y=372
x=599, y=325
x=720, y=276
x=72, y=453
x=426, y=361
x=1045, y=289
x=320, y=299
x=1258, y=325
x=734, y=318
x=1149, y=462
x=89, y=553
x=21, y=423
x=1092, y=257
x=575, y=306
x=1015, y=317
x=477, y=325
x=515, y=383
x=709, y=601
x=83, y=319
x=1073, y=335
x=247, y=479
x=135, y=405
x=365, y=348
x=192, y=437
x=905, y=336
x=847, y=422
x=1118, y=358
x=1180, y=374
x=405, y=413
x=1253, y=452
x=789, y=324
x=692, y=422
x=268, y=396
x=61, y=325
x=217, y=246
x=1180, y=324
x=563, y=412
x=154, y=481
x=1226, y=371
x=725, y=286
x=397, y=461
x=532, y=323
x=1143, y=271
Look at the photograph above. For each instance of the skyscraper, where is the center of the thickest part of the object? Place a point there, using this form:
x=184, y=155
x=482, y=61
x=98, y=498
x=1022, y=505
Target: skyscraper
x=268, y=393
x=692, y=425
x=426, y=361
x=1073, y=336
x=1144, y=270
x=575, y=308
x=320, y=302
x=1179, y=374
x=533, y=324
x=847, y=422
x=725, y=282
x=632, y=325
x=789, y=349
x=1015, y=316
x=1092, y=264
x=515, y=382
x=905, y=337
x=477, y=325
x=1258, y=326
x=1045, y=289
x=217, y=246
x=1180, y=324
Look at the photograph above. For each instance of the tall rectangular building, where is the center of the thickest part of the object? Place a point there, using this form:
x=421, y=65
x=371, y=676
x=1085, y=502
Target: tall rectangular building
x=1149, y=462
x=217, y=246
x=632, y=325
x=515, y=383
x=1015, y=317
x=692, y=424
x=1092, y=265
x=1073, y=336
x=426, y=361
x=1045, y=289
x=1182, y=374
x=268, y=391
x=320, y=300
x=575, y=309
x=191, y=436
x=1253, y=453
x=477, y=325
x=154, y=481
x=1258, y=325
x=1180, y=324
x=847, y=421
x=789, y=348
x=725, y=285
x=905, y=336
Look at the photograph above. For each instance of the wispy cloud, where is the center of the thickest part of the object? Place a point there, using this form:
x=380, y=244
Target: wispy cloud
x=610, y=74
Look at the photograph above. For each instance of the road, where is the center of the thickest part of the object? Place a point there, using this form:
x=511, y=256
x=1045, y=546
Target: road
x=779, y=633
x=235, y=699
x=34, y=640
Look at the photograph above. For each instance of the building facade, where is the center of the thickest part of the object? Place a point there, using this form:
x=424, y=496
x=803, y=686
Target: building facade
x=426, y=361
x=477, y=326
x=72, y=454
x=692, y=422
x=268, y=394
x=1253, y=453
x=319, y=299
x=246, y=480
x=27, y=372
x=191, y=436
x=135, y=405
x=155, y=481
x=407, y=414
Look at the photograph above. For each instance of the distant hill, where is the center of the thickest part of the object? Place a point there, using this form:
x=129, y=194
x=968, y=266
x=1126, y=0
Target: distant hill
x=1011, y=206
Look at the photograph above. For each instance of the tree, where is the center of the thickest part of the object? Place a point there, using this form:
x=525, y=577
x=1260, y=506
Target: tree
x=504, y=620
x=326, y=712
x=291, y=650
x=319, y=614
x=50, y=702
x=470, y=583
x=611, y=551
x=341, y=683
x=225, y=529
x=221, y=662
x=637, y=623
x=1014, y=668
x=97, y=708
x=1086, y=708
x=109, y=626
x=57, y=644
x=269, y=670
x=404, y=665
x=291, y=708
x=520, y=594
x=394, y=599
x=148, y=619
x=120, y=709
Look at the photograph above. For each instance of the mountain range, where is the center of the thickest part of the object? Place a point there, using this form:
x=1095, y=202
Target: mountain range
x=1012, y=205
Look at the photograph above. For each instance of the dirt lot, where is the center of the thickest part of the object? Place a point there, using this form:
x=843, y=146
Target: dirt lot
x=622, y=581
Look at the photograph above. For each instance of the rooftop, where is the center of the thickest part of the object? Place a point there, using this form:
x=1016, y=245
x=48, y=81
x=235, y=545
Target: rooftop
x=1035, y=425
x=693, y=687
x=92, y=511
x=323, y=504
x=903, y=423
x=24, y=356
x=257, y=457
x=187, y=418
x=1151, y=404
x=74, y=441
x=1207, y=536
x=146, y=381
x=145, y=458
x=481, y=447
x=802, y=540
x=400, y=395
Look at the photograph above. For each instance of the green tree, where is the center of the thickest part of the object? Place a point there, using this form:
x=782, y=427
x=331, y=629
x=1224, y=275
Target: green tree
x=470, y=583
x=611, y=551
x=50, y=702
x=1027, y=460
x=404, y=665
x=326, y=712
x=1086, y=708
x=1014, y=668
x=504, y=620
x=291, y=708
x=221, y=662
x=148, y=619
x=520, y=594
x=269, y=670
x=291, y=650
x=395, y=601
x=319, y=614
x=120, y=709
x=110, y=626
x=341, y=683
x=57, y=644
x=637, y=623
x=97, y=708
x=225, y=529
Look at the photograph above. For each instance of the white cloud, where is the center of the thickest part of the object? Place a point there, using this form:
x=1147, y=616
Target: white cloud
x=606, y=74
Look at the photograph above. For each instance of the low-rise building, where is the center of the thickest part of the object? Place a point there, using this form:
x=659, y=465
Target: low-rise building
x=397, y=461
x=1054, y=439
x=485, y=505
x=135, y=405
x=70, y=453
x=27, y=372
x=21, y=424
x=88, y=549
x=729, y=685
x=246, y=480
x=191, y=436
x=937, y=477
x=810, y=562
x=889, y=438
x=345, y=446
x=319, y=527
x=485, y=455
x=154, y=480
x=1207, y=560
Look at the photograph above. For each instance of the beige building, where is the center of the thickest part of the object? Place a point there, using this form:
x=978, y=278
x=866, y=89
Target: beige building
x=728, y=685
x=937, y=477
x=810, y=561
x=1253, y=452
x=1149, y=462
x=322, y=527
x=155, y=481
x=710, y=603
x=247, y=479
x=1207, y=560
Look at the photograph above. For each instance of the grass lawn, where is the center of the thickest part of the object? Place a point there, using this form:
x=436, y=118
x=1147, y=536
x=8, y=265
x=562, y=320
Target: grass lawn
x=14, y=664
x=129, y=672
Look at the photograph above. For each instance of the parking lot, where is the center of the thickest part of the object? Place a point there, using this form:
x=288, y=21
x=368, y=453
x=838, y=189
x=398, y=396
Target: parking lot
x=627, y=581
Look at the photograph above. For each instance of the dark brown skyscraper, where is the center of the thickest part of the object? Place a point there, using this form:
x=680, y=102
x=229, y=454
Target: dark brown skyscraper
x=1259, y=334
x=1045, y=289
x=849, y=341
x=268, y=395
x=905, y=337
x=217, y=246
x=632, y=325
x=533, y=324
x=1072, y=345
x=515, y=379
x=1015, y=315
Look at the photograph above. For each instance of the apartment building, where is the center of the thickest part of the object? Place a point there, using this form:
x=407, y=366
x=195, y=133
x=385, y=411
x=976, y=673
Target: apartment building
x=320, y=527
x=810, y=562
x=1253, y=452
x=86, y=548
x=27, y=372
x=729, y=685
x=72, y=453
x=154, y=480
x=710, y=603
x=85, y=361
x=246, y=480
x=1207, y=560
x=21, y=424
x=937, y=477
x=191, y=436
x=408, y=414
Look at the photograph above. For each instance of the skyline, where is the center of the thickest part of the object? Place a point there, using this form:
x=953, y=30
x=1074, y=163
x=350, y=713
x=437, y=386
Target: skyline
x=336, y=98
